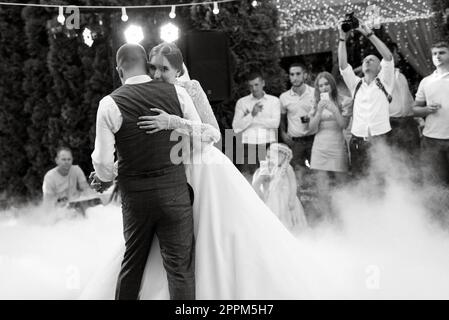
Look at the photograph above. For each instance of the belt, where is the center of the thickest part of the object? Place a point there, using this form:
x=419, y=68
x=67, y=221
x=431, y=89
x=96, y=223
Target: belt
x=303, y=139
x=368, y=139
x=399, y=120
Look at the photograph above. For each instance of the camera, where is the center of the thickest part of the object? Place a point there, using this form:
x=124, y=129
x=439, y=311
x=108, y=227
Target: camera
x=350, y=22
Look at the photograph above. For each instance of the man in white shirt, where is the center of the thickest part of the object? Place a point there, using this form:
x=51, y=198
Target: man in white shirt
x=432, y=102
x=372, y=96
x=296, y=105
x=257, y=117
x=65, y=182
x=155, y=195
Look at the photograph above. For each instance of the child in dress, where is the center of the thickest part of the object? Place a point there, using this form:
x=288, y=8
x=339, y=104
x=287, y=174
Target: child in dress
x=275, y=183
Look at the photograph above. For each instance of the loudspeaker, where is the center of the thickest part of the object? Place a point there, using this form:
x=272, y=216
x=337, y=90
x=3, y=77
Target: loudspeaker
x=206, y=55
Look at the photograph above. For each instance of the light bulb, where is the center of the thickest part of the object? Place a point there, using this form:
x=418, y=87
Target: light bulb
x=216, y=10
x=61, y=18
x=254, y=3
x=87, y=37
x=172, y=14
x=124, y=15
x=169, y=32
x=134, y=34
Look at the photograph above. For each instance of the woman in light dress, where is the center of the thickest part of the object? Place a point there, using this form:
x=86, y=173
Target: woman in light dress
x=329, y=117
x=242, y=249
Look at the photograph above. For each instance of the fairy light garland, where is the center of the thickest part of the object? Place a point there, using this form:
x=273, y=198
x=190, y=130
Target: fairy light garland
x=117, y=6
x=310, y=15
x=172, y=7
x=308, y=26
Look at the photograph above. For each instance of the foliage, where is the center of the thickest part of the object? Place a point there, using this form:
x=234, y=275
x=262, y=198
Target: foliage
x=441, y=9
x=13, y=122
x=253, y=40
x=52, y=82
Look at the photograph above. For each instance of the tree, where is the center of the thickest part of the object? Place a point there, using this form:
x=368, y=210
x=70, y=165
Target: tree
x=13, y=123
x=53, y=82
x=36, y=84
x=441, y=18
x=253, y=39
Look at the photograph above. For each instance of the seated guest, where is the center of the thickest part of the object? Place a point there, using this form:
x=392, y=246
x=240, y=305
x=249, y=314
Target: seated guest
x=65, y=183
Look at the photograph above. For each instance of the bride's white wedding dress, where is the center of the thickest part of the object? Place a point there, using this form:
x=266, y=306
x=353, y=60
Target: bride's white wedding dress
x=242, y=249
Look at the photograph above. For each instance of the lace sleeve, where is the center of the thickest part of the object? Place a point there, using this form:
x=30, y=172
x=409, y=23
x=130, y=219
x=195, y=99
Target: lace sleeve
x=208, y=129
x=202, y=104
x=207, y=132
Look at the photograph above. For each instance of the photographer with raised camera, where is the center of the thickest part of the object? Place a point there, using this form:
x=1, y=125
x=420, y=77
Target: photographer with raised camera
x=371, y=95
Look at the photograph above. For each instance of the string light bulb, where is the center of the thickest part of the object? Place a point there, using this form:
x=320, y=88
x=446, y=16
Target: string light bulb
x=61, y=18
x=169, y=32
x=124, y=15
x=134, y=34
x=254, y=3
x=172, y=14
x=216, y=10
x=87, y=37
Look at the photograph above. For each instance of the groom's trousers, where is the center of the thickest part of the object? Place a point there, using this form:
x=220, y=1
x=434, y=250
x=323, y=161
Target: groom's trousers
x=166, y=212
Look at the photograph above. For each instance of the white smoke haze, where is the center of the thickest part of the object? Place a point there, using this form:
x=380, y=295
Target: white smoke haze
x=50, y=255
x=390, y=241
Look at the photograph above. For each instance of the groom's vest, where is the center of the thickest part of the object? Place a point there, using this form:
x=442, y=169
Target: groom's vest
x=144, y=159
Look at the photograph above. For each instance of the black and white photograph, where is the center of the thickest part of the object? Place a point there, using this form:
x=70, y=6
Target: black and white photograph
x=230, y=150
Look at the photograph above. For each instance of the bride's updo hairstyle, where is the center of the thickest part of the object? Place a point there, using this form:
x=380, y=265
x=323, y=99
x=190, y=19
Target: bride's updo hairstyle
x=172, y=53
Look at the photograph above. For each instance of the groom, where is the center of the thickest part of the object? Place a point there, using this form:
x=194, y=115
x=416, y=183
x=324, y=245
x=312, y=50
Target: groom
x=155, y=196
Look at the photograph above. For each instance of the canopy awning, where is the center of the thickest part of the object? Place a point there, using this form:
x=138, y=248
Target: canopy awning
x=299, y=16
x=309, y=26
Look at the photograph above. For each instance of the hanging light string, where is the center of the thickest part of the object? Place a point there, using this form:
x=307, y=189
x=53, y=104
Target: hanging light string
x=116, y=7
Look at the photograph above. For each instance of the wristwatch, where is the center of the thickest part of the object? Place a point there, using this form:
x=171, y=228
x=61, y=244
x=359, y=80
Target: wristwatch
x=369, y=34
x=344, y=40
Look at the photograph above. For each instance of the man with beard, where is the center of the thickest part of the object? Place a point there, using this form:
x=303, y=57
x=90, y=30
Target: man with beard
x=296, y=104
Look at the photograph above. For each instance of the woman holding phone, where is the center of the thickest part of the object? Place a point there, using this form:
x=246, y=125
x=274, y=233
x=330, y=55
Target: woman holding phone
x=329, y=117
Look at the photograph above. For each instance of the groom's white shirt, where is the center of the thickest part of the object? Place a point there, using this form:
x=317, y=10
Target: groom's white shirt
x=109, y=121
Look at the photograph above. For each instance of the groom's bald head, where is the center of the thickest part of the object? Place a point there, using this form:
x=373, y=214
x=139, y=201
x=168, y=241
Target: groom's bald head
x=131, y=56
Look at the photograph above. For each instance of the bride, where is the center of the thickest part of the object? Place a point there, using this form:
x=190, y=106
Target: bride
x=242, y=249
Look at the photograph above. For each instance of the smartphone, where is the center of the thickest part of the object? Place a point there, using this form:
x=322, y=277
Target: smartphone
x=324, y=96
x=264, y=169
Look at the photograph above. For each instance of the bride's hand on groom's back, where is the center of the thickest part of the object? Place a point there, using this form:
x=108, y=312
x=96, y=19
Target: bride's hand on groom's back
x=153, y=124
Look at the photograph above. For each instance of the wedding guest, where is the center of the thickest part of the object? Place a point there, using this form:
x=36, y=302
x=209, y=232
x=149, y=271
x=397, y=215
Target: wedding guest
x=404, y=134
x=372, y=96
x=296, y=105
x=432, y=102
x=275, y=183
x=329, y=117
x=257, y=117
x=64, y=183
